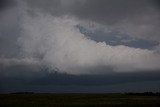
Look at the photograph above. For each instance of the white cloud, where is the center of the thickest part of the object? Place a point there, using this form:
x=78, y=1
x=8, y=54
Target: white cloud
x=56, y=42
x=59, y=44
x=18, y=61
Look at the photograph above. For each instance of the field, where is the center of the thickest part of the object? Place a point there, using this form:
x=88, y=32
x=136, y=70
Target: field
x=77, y=100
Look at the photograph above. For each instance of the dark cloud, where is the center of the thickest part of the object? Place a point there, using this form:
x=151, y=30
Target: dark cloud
x=137, y=18
x=19, y=29
x=116, y=38
x=55, y=82
x=52, y=6
x=64, y=47
x=9, y=31
x=6, y=3
x=103, y=11
x=157, y=3
x=111, y=11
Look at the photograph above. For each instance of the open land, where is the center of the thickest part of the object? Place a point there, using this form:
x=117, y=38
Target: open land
x=77, y=100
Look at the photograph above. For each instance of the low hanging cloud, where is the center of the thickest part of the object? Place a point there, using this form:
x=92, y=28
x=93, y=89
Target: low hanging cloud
x=56, y=42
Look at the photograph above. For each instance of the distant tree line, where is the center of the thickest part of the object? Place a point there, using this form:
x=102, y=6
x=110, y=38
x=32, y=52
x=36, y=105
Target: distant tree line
x=144, y=94
x=22, y=93
x=129, y=93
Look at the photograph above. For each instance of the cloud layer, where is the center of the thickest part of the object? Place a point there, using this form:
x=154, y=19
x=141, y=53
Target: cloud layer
x=55, y=41
x=138, y=19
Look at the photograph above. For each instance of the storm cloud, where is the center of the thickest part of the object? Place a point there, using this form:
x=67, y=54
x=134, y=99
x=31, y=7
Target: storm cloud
x=79, y=45
x=46, y=33
x=137, y=18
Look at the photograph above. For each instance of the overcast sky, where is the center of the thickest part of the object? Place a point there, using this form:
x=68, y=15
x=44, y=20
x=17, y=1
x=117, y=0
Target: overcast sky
x=75, y=37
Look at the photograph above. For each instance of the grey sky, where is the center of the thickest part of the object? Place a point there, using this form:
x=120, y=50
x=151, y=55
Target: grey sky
x=80, y=37
x=136, y=18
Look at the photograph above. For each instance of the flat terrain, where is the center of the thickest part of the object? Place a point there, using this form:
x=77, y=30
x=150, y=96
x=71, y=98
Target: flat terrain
x=77, y=100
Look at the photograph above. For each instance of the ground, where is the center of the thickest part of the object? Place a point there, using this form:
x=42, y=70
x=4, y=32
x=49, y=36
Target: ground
x=77, y=100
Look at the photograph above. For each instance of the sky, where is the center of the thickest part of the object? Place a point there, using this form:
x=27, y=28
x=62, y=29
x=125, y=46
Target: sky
x=79, y=45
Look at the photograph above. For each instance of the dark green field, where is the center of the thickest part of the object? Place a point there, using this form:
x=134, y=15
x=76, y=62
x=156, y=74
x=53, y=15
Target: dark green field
x=78, y=100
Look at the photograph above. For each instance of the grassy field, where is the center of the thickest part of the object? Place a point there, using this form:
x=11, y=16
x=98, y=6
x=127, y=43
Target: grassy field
x=77, y=100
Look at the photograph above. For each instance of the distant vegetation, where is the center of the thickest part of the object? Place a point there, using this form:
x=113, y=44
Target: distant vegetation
x=144, y=94
x=23, y=93
x=129, y=93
